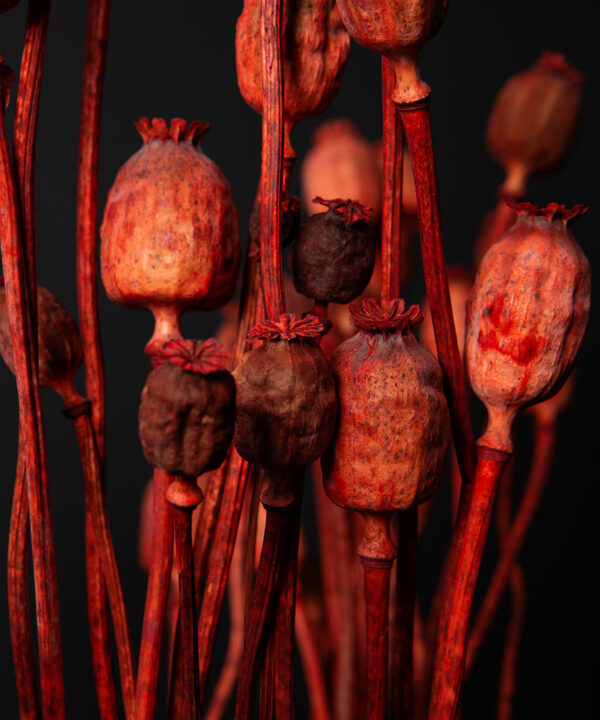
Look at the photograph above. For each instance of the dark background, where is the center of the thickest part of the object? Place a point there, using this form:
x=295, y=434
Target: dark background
x=176, y=58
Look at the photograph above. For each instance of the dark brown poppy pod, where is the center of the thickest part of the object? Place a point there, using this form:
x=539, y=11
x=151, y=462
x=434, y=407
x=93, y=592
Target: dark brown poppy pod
x=334, y=253
x=170, y=231
x=398, y=29
x=7, y=5
x=286, y=403
x=59, y=345
x=393, y=424
x=533, y=119
x=187, y=411
x=527, y=315
x=290, y=219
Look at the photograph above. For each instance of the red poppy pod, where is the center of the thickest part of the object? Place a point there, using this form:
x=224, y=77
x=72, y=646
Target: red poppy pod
x=187, y=411
x=170, y=231
x=527, y=315
x=397, y=29
x=533, y=118
x=286, y=402
x=341, y=163
x=393, y=424
x=59, y=345
x=315, y=48
x=334, y=253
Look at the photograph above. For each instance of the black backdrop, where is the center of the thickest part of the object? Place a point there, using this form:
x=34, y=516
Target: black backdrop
x=176, y=58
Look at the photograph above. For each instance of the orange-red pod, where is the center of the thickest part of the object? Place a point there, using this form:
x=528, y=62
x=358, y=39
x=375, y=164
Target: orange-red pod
x=527, y=315
x=397, y=29
x=533, y=119
x=393, y=426
x=170, y=232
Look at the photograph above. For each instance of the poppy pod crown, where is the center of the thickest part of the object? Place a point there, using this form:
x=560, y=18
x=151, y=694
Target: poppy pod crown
x=527, y=314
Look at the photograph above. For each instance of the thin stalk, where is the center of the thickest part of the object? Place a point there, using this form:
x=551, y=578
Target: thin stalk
x=81, y=416
x=266, y=707
x=468, y=543
x=543, y=455
x=417, y=128
x=98, y=19
x=391, y=209
x=405, y=614
x=18, y=596
x=251, y=540
x=262, y=599
x=156, y=600
x=23, y=334
x=311, y=664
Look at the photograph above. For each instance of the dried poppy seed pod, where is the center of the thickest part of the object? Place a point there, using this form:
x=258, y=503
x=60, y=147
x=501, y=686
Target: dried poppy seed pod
x=334, y=253
x=187, y=411
x=170, y=231
x=59, y=345
x=533, y=119
x=286, y=403
x=341, y=163
x=393, y=424
x=315, y=48
x=527, y=314
x=398, y=29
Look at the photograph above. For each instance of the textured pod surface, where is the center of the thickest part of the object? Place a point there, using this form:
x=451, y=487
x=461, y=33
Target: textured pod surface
x=286, y=405
x=186, y=419
x=170, y=229
x=528, y=311
x=315, y=49
x=393, y=424
x=341, y=163
x=535, y=114
x=332, y=260
x=59, y=346
x=397, y=29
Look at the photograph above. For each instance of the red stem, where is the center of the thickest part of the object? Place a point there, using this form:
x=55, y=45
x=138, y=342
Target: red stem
x=18, y=596
x=405, y=614
x=87, y=211
x=543, y=455
x=311, y=664
x=391, y=210
x=104, y=547
x=262, y=598
x=468, y=542
x=272, y=158
x=23, y=334
x=266, y=708
x=156, y=600
x=417, y=128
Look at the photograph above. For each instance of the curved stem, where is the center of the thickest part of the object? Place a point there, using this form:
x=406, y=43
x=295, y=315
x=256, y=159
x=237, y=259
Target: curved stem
x=543, y=455
x=18, y=596
x=405, y=614
x=417, y=128
x=98, y=18
x=106, y=552
x=262, y=598
x=391, y=210
x=311, y=664
x=156, y=600
x=468, y=543
x=272, y=157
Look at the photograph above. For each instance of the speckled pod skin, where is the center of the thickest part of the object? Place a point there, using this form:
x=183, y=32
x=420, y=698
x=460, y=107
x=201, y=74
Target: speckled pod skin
x=59, y=345
x=341, y=163
x=286, y=405
x=534, y=116
x=331, y=260
x=186, y=419
x=397, y=29
x=527, y=315
x=393, y=424
x=315, y=49
x=170, y=229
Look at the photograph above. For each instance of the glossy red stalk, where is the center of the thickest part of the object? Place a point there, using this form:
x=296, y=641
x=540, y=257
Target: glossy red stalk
x=23, y=337
x=544, y=447
x=312, y=664
x=417, y=128
x=156, y=600
x=468, y=543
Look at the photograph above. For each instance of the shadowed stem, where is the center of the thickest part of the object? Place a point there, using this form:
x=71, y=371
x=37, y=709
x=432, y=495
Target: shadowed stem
x=312, y=664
